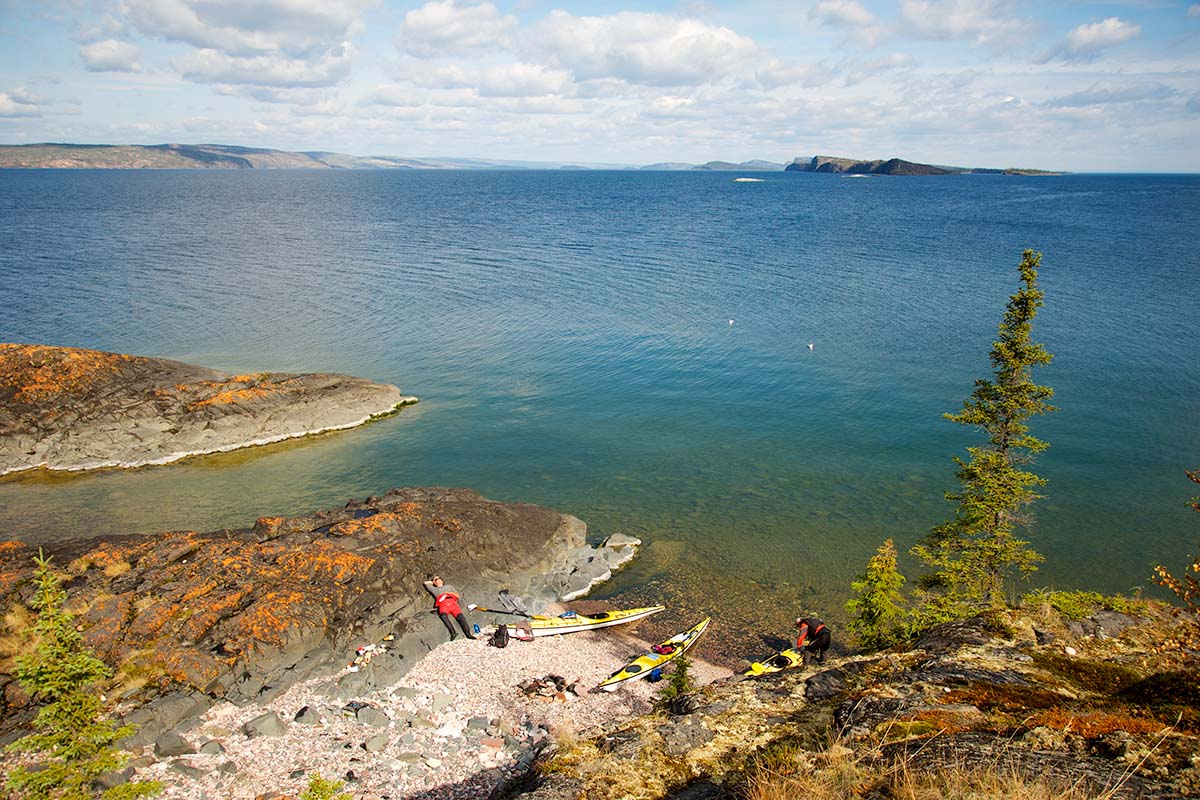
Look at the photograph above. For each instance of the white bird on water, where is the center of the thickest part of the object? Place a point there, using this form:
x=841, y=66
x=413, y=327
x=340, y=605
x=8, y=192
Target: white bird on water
x=810, y=346
x=730, y=322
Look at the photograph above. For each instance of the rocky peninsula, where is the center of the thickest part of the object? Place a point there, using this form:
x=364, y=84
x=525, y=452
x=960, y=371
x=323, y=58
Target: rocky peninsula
x=65, y=408
x=242, y=615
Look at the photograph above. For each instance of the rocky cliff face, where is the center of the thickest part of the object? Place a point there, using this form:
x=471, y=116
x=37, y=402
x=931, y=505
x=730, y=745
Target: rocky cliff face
x=71, y=409
x=1111, y=704
x=243, y=614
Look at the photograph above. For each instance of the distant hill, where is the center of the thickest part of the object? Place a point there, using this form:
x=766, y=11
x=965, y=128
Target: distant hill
x=221, y=156
x=56, y=155
x=895, y=166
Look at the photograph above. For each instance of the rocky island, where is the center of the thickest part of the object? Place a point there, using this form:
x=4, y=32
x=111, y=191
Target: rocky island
x=65, y=408
x=894, y=166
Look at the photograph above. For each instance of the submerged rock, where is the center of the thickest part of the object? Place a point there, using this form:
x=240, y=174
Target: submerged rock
x=65, y=408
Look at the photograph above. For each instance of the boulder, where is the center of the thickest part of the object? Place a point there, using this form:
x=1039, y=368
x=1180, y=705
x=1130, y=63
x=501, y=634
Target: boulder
x=268, y=724
x=172, y=744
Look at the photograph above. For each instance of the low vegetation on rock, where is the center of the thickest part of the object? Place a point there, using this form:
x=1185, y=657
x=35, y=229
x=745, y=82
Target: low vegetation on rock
x=72, y=745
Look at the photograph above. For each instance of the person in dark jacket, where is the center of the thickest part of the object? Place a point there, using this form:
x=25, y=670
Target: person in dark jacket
x=813, y=638
x=445, y=602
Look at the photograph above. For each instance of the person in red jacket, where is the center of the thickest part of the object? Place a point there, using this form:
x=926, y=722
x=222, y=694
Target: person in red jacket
x=445, y=602
x=814, y=639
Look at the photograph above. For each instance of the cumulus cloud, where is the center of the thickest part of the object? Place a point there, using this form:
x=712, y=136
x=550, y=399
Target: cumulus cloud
x=857, y=72
x=1086, y=42
x=110, y=55
x=237, y=27
x=851, y=16
x=505, y=80
x=211, y=66
x=984, y=22
x=1107, y=94
x=448, y=27
x=19, y=103
x=776, y=74
x=640, y=48
x=842, y=13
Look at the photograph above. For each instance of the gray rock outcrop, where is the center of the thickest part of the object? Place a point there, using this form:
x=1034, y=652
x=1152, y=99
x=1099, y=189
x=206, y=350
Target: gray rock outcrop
x=71, y=409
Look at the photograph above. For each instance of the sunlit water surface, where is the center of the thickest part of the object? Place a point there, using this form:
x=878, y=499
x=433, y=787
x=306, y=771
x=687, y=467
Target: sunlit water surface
x=633, y=349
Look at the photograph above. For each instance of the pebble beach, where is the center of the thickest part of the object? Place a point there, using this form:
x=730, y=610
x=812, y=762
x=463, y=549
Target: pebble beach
x=452, y=728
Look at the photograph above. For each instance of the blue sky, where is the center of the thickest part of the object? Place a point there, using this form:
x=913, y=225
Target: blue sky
x=1086, y=86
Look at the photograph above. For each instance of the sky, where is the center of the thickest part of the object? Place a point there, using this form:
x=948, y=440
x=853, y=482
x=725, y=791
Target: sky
x=1082, y=86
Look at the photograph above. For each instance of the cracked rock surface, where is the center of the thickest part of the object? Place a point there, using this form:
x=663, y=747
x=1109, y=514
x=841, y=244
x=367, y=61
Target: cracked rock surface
x=65, y=408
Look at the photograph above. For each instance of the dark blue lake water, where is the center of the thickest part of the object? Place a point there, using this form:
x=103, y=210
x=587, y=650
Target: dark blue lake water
x=569, y=335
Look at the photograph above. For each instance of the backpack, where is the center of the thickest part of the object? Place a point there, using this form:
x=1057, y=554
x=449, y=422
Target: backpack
x=499, y=637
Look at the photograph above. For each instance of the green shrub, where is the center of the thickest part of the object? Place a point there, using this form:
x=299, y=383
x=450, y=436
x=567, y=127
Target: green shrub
x=72, y=745
x=679, y=682
x=1079, y=603
x=323, y=789
x=878, y=616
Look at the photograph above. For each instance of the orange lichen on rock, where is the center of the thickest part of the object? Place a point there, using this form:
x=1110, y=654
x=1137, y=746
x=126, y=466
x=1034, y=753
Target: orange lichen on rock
x=321, y=560
x=36, y=372
x=383, y=522
x=270, y=618
x=1091, y=724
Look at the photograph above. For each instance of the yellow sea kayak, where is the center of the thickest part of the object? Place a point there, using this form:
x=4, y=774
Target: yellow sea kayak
x=549, y=626
x=641, y=666
x=784, y=659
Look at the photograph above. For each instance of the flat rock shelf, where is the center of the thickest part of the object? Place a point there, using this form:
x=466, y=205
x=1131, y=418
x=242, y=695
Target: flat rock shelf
x=65, y=408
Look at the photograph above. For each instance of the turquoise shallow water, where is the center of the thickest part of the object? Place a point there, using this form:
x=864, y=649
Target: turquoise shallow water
x=568, y=333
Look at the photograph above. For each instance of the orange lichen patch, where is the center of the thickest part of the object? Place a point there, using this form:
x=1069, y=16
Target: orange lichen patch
x=268, y=525
x=323, y=561
x=10, y=547
x=37, y=372
x=1095, y=723
x=268, y=620
x=151, y=619
x=189, y=667
x=450, y=525
x=383, y=522
x=996, y=697
x=211, y=613
x=230, y=391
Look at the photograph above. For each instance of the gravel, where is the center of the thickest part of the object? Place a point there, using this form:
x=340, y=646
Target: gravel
x=435, y=744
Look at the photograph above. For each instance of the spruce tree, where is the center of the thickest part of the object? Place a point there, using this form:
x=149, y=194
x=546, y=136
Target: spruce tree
x=877, y=613
x=972, y=554
x=72, y=744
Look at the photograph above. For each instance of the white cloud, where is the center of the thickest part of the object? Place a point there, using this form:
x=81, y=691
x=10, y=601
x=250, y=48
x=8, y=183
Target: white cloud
x=18, y=103
x=984, y=22
x=211, y=66
x=110, y=56
x=1194, y=11
x=842, y=13
x=1086, y=42
x=851, y=16
x=109, y=27
x=448, y=27
x=504, y=80
x=239, y=27
x=641, y=48
x=1108, y=94
x=776, y=74
x=858, y=72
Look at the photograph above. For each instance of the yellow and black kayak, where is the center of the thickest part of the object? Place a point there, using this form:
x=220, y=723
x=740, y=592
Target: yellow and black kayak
x=573, y=623
x=663, y=653
x=784, y=659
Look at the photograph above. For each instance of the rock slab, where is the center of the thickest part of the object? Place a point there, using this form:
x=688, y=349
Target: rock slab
x=66, y=408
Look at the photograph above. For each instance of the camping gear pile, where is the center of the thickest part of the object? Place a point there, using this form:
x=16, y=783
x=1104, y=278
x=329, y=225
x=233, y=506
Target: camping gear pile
x=551, y=688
